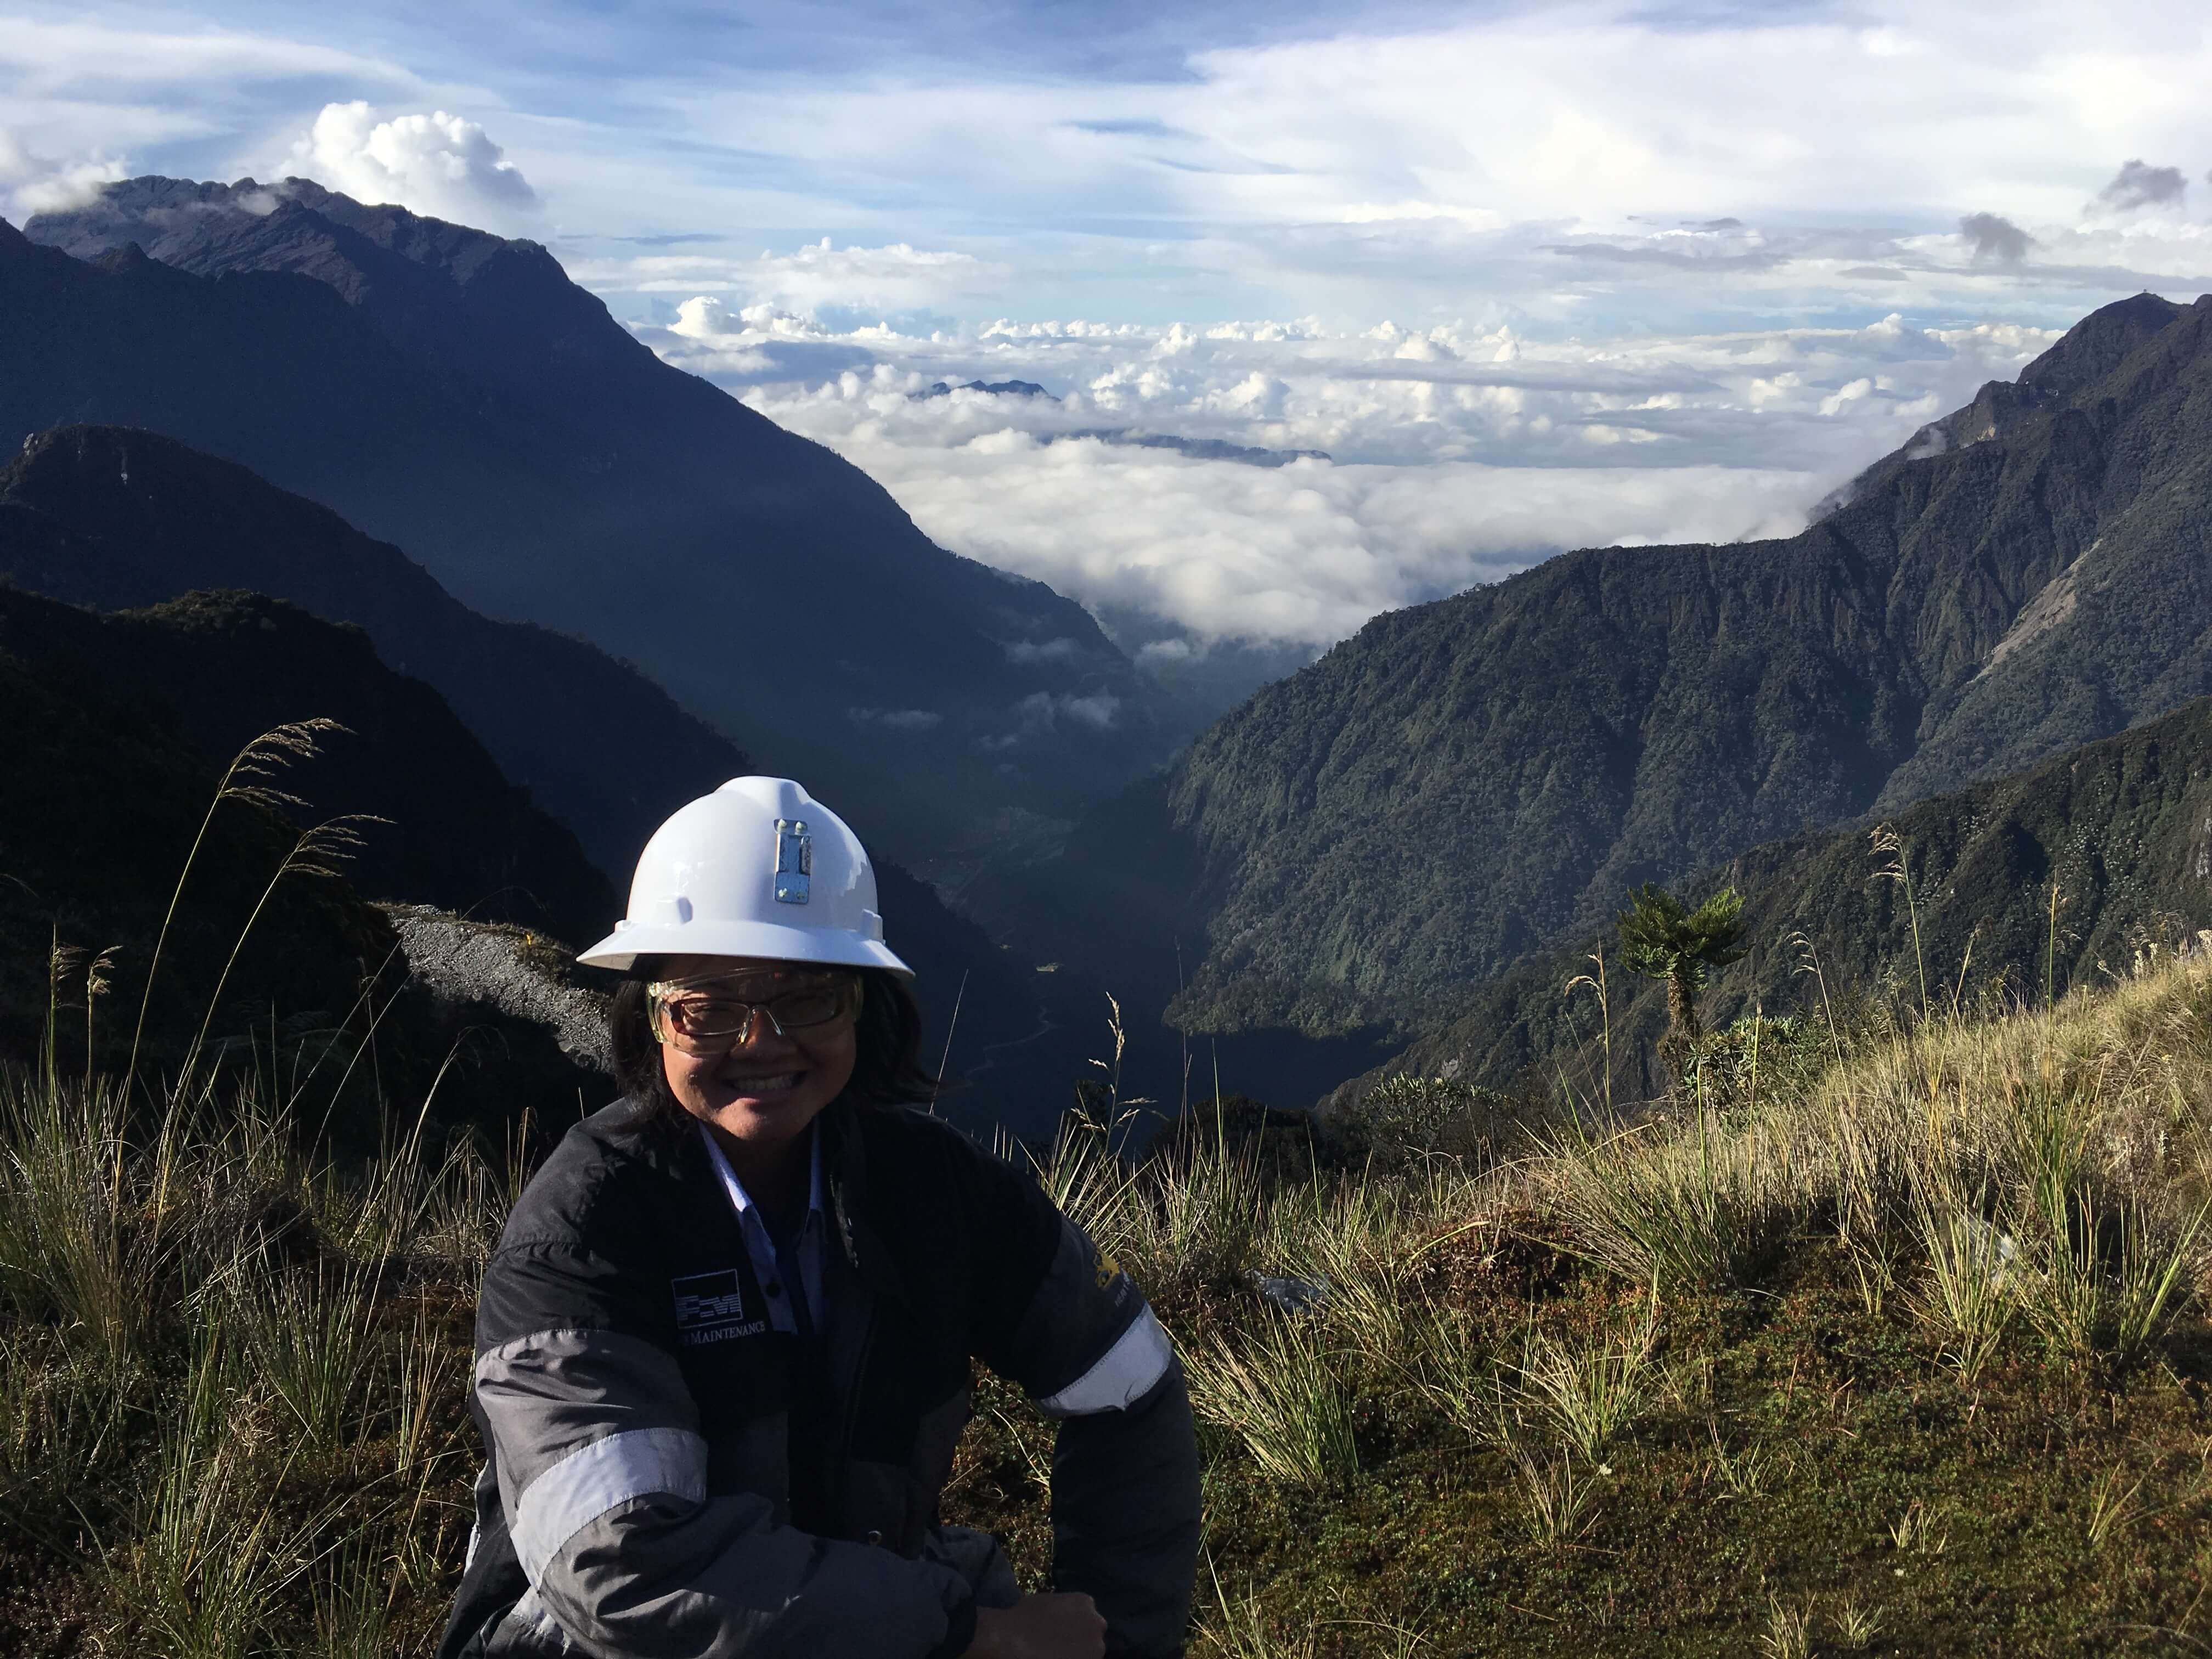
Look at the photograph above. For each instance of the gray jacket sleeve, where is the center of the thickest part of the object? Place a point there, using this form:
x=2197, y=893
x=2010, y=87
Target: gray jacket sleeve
x=1124, y=1480
x=603, y=1480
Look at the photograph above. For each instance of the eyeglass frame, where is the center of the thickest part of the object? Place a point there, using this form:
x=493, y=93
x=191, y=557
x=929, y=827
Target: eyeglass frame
x=849, y=985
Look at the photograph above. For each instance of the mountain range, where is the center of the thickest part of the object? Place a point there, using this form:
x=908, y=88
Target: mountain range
x=1468, y=783
x=217, y=670
x=1404, y=842
x=454, y=393
x=520, y=771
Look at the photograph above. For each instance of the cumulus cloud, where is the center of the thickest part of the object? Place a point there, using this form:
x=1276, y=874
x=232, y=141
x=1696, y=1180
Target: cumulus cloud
x=436, y=164
x=31, y=183
x=2138, y=185
x=1043, y=710
x=1995, y=238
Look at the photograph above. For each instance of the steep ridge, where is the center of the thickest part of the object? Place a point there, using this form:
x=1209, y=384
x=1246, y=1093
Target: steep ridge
x=455, y=392
x=1464, y=783
x=2123, y=827
x=217, y=670
x=116, y=519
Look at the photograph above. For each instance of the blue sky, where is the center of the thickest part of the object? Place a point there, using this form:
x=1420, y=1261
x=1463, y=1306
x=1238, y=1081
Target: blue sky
x=1530, y=275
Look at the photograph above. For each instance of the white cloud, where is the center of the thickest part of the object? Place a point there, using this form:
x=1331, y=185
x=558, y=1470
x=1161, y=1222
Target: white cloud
x=31, y=183
x=896, y=719
x=437, y=164
x=77, y=56
x=1042, y=710
x=894, y=279
x=1463, y=451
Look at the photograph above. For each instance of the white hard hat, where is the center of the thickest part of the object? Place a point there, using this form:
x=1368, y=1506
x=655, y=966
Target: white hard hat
x=759, y=868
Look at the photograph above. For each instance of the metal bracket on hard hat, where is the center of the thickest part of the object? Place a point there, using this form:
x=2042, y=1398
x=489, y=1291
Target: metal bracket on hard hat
x=794, y=860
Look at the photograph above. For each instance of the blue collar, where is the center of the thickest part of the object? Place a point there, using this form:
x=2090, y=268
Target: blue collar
x=742, y=1201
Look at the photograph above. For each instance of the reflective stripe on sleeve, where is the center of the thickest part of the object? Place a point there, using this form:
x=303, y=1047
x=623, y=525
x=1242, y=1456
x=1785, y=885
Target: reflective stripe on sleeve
x=588, y=1482
x=1138, y=1359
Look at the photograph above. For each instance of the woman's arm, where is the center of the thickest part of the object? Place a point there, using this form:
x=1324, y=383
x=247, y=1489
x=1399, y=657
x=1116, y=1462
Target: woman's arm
x=1125, y=1492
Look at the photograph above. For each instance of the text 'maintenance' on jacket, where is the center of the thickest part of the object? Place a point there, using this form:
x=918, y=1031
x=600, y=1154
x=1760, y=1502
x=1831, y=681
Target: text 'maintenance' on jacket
x=669, y=1475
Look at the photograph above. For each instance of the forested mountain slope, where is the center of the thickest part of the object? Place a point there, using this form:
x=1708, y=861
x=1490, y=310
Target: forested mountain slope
x=2121, y=829
x=1463, y=782
x=454, y=392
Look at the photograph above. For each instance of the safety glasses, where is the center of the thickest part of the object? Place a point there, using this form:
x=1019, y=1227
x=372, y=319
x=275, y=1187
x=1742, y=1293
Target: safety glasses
x=713, y=1014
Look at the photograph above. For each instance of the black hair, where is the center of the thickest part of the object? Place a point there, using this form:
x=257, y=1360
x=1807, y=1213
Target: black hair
x=887, y=1070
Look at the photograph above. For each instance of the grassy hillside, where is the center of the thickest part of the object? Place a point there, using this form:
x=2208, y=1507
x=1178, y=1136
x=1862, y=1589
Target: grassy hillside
x=1908, y=1356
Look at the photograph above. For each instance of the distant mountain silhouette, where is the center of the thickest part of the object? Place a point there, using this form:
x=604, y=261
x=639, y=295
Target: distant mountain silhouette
x=456, y=394
x=1465, y=782
x=996, y=388
x=1199, y=449
x=219, y=669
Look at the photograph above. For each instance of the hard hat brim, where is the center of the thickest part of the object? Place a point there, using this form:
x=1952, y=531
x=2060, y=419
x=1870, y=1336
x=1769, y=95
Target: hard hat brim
x=830, y=947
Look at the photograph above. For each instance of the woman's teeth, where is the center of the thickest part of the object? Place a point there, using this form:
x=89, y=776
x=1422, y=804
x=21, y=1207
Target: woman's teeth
x=776, y=1084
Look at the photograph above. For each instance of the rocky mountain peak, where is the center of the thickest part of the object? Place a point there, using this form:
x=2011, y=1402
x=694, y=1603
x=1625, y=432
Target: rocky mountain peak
x=2098, y=344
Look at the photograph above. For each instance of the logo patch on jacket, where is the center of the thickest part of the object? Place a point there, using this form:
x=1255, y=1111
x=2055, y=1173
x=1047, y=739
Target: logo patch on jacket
x=711, y=1308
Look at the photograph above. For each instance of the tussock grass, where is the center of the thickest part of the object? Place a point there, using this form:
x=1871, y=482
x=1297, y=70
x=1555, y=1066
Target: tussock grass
x=1588, y=1391
x=1284, y=1394
x=227, y=1433
x=1977, y=1239
x=1912, y=1336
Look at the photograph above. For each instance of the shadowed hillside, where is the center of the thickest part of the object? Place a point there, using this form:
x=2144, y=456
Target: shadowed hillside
x=113, y=518
x=118, y=518
x=98, y=813
x=456, y=394
x=217, y=670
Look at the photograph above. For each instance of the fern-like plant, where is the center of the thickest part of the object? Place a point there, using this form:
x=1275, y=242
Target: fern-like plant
x=1663, y=939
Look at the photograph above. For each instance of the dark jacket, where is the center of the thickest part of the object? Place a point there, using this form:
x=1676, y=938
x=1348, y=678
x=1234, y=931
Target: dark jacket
x=668, y=1475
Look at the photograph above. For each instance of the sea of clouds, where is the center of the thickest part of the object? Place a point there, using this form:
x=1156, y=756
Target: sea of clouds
x=1384, y=467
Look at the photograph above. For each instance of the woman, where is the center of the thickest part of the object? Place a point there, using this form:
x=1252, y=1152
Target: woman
x=723, y=1348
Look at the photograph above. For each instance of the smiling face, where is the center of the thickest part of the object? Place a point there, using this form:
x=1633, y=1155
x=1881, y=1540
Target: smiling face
x=761, y=1087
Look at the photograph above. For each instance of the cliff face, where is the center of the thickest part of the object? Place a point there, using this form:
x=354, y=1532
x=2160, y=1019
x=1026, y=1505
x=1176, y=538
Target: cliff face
x=1464, y=781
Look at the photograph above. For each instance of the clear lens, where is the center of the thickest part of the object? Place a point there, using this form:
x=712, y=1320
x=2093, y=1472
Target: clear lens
x=704, y=1013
